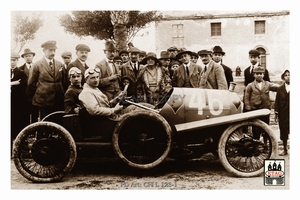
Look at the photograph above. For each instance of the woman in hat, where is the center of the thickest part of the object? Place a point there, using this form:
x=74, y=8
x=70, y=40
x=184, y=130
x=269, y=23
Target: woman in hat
x=282, y=109
x=152, y=79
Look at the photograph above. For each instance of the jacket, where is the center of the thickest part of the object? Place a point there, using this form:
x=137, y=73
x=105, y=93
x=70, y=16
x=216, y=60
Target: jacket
x=256, y=98
x=110, y=88
x=45, y=85
x=178, y=78
x=213, y=78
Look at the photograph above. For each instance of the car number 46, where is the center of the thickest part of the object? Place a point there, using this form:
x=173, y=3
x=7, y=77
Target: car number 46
x=215, y=105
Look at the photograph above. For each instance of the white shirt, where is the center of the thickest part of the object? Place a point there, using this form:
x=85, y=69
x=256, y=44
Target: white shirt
x=110, y=64
x=252, y=66
x=259, y=85
x=28, y=66
x=287, y=88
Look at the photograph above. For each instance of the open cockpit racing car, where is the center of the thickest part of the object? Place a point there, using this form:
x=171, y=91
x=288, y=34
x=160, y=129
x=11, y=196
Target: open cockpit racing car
x=197, y=120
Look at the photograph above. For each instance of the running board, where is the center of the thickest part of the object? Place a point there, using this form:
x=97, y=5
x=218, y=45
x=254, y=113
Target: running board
x=206, y=123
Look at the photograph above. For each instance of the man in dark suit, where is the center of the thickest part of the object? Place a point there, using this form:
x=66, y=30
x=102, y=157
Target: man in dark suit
x=82, y=52
x=45, y=82
x=133, y=69
x=18, y=80
x=110, y=75
x=188, y=73
x=282, y=110
x=217, y=56
x=254, y=57
x=32, y=111
x=67, y=57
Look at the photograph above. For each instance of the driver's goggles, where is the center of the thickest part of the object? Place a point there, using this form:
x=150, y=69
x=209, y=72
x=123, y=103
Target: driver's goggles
x=74, y=70
x=91, y=71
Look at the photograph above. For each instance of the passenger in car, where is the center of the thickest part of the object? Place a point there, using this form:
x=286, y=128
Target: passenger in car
x=71, y=101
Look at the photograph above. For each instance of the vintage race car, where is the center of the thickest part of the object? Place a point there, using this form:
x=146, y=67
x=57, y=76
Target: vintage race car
x=186, y=123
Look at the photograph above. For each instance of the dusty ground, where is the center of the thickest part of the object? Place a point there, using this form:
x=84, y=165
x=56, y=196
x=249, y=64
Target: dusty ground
x=205, y=173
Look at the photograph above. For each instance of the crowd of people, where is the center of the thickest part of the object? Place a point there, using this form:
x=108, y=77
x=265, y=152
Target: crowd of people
x=47, y=85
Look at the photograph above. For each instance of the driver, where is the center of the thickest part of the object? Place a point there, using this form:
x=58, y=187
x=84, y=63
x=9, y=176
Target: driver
x=95, y=102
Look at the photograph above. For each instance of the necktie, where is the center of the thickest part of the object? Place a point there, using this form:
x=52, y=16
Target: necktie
x=187, y=70
x=205, y=68
x=50, y=64
x=11, y=73
x=251, y=71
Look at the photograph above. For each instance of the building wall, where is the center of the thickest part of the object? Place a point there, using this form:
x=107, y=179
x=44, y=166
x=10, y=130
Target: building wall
x=237, y=37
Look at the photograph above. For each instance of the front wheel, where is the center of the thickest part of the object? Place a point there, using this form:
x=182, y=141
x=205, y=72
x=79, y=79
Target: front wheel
x=44, y=152
x=244, y=146
x=142, y=139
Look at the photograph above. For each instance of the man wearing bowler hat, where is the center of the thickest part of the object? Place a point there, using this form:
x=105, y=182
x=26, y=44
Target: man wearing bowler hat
x=82, y=52
x=110, y=75
x=212, y=75
x=188, y=73
x=45, y=82
x=217, y=56
x=254, y=57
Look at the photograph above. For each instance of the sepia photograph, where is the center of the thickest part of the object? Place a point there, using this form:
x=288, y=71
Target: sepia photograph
x=151, y=99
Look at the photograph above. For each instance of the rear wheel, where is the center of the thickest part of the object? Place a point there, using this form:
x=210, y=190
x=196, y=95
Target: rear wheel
x=244, y=146
x=44, y=152
x=142, y=139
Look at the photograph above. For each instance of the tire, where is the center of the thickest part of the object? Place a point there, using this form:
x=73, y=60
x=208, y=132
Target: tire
x=244, y=146
x=142, y=139
x=44, y=152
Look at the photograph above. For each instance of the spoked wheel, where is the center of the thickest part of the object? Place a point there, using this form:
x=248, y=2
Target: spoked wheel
x=44, y=152
x=142, y=139
x=244, y=146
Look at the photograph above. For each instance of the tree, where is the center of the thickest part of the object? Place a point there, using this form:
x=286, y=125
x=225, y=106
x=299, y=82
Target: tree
x=108, y=25
x=24, y=29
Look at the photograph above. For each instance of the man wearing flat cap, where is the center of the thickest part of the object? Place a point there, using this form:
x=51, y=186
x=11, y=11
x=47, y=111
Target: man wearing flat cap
x=188, y=73
x=110, y=75
x=82, y=52
x=217, y=56
x=18, y=79
x=124, y=54
x=45, y=82
x=254, y=57
x=212, y=75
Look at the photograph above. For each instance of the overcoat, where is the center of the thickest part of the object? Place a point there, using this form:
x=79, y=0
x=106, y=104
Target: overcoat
x=45, y=84
x=213, y=78
x=228, y=74
x=111, y=88
x=178, y=78
x=282, y=106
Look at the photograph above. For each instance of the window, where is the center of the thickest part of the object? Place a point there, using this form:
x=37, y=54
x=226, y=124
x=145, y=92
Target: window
x=260, y=27
x=215, y=29
x=178, y=35
x=263, y=59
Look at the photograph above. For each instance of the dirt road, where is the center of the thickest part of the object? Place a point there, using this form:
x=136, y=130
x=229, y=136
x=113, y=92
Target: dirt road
x=204, y=173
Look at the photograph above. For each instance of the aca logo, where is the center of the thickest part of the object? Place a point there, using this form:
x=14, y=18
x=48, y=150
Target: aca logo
x=274, y=172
